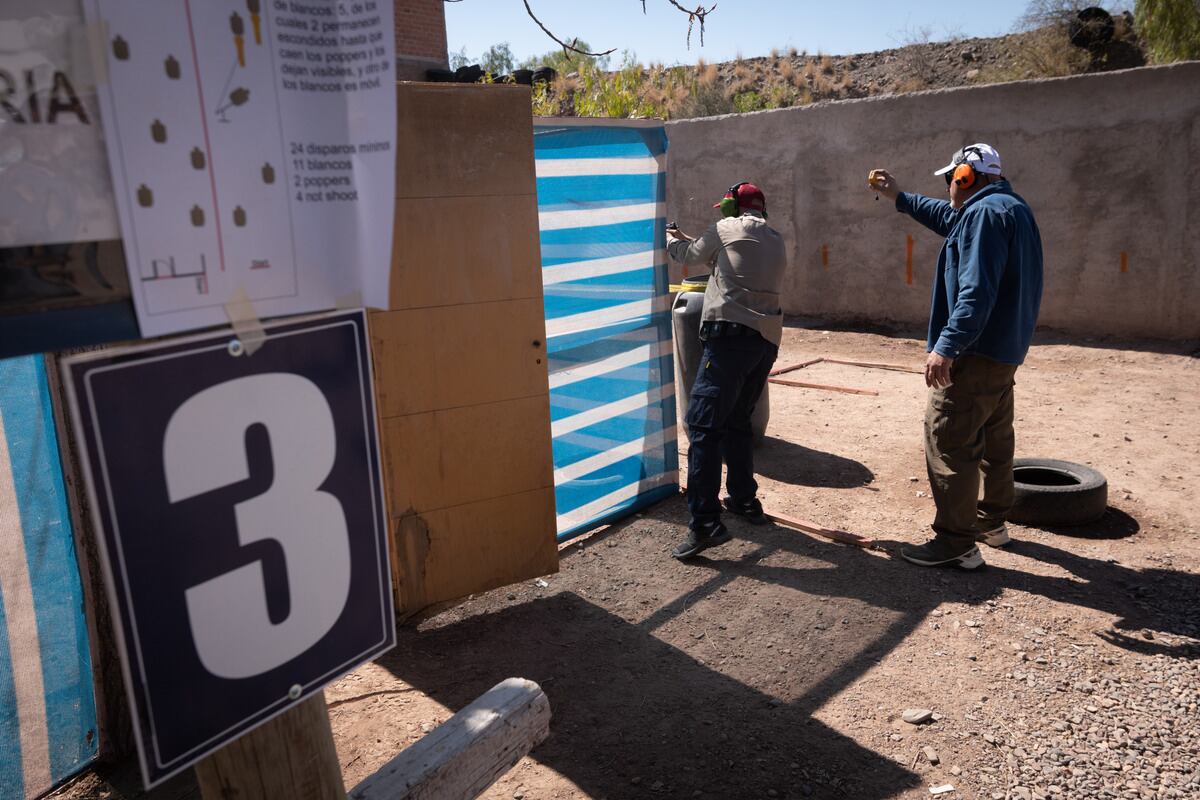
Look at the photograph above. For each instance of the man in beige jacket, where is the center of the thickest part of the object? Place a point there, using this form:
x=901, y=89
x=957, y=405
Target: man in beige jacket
x=741, y=327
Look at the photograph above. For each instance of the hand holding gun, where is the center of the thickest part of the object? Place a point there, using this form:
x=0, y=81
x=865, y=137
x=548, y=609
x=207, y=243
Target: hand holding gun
x=673, y=232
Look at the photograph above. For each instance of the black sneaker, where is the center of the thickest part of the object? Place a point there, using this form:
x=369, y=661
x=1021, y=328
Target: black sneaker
x=936, y=553
x=710, y=535
x=750, y=510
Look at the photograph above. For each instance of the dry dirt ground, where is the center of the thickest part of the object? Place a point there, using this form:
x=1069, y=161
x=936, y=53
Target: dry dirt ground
x=777, y=666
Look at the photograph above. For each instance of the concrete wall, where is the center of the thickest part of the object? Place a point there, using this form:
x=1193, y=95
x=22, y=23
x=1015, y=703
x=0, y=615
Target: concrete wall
x=1110, y=164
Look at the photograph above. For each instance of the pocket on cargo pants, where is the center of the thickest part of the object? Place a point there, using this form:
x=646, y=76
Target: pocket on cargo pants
x=704, y=407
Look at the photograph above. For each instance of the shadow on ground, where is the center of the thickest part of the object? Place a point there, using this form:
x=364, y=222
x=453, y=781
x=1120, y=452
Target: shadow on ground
x=662, y=705
x=1114, y=524
x=791, y=463
x=653, y=698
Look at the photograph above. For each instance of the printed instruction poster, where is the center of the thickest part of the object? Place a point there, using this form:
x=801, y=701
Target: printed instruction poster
x=252, y=149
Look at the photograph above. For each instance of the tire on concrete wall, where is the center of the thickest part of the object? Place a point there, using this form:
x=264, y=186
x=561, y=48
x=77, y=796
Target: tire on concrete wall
x=1051, y=492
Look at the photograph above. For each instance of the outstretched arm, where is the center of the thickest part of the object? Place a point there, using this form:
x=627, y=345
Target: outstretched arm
x=937, y=215
x=690, y=252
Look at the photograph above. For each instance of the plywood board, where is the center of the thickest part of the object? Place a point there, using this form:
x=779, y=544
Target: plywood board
x=460, y=356
x=450, y=250
x=439, y=124
x=432, y=358
x=453, y=552
x=462, y=455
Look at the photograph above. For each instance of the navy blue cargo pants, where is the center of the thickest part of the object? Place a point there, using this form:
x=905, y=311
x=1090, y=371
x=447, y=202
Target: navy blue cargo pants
x=733, y=371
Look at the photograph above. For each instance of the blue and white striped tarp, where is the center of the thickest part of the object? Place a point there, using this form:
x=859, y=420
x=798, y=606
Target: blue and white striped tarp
x=47, y=708
x=601, y=205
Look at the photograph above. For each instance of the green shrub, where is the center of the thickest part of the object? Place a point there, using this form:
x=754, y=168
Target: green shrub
x=1170, y=28
x=744, y=102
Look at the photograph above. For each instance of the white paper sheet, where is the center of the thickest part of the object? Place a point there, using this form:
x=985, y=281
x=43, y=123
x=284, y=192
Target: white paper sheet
x=252, y=147
x=54, y=185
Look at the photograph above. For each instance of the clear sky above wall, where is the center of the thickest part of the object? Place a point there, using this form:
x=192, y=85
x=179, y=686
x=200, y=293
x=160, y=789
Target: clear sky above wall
x=748, y=27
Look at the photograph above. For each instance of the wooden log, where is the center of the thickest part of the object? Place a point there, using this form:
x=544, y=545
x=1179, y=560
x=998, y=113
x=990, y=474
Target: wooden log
x=824, y=387
x=291, y=756
x=468, y=752
x=845, y=537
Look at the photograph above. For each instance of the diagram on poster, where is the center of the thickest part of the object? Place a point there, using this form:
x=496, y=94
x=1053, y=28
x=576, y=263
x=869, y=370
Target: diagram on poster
x=252, y=148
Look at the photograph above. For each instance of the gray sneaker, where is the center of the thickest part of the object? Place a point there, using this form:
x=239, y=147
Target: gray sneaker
x=936, y=553
x=994, y=537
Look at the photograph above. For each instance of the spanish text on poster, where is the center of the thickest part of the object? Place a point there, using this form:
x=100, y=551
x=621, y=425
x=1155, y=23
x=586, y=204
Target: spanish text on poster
x=252, y=148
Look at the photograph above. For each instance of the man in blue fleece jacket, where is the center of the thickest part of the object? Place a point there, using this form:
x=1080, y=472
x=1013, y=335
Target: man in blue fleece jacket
x=986, y=295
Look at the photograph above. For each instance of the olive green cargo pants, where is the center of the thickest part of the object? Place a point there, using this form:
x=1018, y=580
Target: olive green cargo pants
x=968, y=429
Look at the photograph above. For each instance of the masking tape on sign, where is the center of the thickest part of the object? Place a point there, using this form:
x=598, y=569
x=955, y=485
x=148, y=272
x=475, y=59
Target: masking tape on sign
x=246, y=325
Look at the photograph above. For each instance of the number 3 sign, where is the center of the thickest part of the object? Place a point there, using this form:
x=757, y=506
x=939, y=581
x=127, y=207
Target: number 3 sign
x=243, y=532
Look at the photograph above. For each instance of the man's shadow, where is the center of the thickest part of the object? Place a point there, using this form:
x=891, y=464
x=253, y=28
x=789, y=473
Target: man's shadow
x=794, y=464
x=1161, y=600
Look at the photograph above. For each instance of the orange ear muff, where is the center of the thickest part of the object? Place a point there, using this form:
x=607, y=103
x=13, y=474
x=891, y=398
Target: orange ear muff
x=964, y=176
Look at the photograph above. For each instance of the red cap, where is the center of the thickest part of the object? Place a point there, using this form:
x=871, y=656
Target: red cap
x=748, y=196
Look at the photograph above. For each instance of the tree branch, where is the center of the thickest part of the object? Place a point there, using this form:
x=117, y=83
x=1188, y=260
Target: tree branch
x=699, y=14
x=566, y=47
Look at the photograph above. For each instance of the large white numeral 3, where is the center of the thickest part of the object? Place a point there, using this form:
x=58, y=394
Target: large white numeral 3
x=204, y=449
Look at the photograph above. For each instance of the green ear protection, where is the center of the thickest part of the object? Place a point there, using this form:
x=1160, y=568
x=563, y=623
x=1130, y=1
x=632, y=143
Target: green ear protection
x=729, y=203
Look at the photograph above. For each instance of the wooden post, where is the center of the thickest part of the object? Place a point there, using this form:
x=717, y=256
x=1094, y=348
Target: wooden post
x=291, y=756
x=468, y=752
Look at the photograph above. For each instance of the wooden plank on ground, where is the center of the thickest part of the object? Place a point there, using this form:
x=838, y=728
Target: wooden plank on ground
x=845, y=537
x=782, y=370
x=468, y=752
x=893, y=367
x=824, y=387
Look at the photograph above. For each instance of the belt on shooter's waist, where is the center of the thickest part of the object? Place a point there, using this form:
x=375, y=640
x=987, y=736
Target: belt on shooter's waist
x=713, y=329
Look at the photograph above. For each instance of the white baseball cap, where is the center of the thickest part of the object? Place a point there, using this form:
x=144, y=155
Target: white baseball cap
x=983, y=157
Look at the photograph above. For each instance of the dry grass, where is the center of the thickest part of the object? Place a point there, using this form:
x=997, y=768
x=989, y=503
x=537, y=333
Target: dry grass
x=810, y=70
x=707, y=74
x=565, y=84
x=787, y=71
x=827, y=65
x=1041, y=53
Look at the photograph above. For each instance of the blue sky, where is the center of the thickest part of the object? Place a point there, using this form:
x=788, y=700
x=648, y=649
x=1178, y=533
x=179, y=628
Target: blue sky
x=748, y=27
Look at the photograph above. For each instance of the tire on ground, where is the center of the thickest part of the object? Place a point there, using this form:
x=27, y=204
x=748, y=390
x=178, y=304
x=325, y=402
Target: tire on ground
x=1051, y=492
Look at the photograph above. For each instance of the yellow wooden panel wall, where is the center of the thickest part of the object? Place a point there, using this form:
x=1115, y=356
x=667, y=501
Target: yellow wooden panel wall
x=460, y=355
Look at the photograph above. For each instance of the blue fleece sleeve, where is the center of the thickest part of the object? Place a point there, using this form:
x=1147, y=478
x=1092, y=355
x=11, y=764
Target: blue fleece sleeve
x=937, y=215
x=983, y=253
